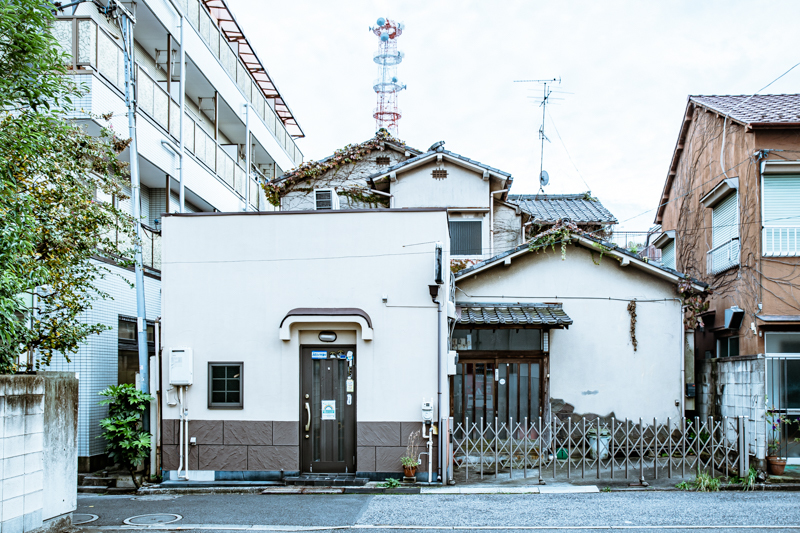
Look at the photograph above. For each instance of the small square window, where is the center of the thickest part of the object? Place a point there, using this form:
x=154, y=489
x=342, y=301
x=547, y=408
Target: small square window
x=439, y=174
x=225, y=385
x=382, y=160
x=728, y=347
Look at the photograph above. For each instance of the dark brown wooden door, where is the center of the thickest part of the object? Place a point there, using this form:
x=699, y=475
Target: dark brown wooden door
x=328, y=409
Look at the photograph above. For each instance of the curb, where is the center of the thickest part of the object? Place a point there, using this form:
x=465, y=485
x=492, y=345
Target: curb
x=274, y=491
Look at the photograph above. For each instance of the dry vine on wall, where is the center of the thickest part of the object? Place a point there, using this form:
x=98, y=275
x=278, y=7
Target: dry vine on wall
x=632, y=311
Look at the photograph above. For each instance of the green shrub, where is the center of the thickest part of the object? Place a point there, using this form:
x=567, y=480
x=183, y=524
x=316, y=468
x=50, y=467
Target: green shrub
x=127, y=442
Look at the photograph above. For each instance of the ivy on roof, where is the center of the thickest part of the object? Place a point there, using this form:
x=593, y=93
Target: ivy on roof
x=314, y=169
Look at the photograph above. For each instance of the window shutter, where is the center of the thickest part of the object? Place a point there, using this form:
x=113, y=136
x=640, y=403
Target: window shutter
x=668, y=255
x=724, y=236
x=324, y=200
x=781, y=201
x=724, y=221
x=465, y=237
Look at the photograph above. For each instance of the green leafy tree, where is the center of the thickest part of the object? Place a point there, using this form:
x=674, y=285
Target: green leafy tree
x=127, y=444
x=51, y=225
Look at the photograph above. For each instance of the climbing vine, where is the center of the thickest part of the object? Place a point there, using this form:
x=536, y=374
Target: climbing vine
x=632, y=312
x=351, y=153
x=457, y=265
x=694, y=303
x=561, y=233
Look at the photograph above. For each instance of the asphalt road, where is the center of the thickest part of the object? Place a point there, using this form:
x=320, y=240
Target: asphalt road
x=629, y=511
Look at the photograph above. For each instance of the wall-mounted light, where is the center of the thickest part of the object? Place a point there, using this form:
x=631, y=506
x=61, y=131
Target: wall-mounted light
x=327, y=336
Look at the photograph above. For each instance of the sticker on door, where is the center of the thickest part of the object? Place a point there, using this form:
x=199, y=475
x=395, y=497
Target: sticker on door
x=328, y=409
x=319, y=355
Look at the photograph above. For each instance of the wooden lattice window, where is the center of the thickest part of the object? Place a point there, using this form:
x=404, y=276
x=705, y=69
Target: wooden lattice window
x=439, y=174
x=382, y=160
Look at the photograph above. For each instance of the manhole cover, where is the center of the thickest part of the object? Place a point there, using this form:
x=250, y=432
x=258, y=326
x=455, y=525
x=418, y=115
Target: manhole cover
x=83, y=518
x=156, y=497
x=152, y=519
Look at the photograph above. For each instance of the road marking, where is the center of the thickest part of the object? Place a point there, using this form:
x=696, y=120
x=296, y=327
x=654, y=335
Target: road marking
x=262, y=527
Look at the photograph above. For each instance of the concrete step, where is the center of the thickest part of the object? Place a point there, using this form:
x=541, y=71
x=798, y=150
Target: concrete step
x=83, y=489
x=98, y=481
x=326, y=480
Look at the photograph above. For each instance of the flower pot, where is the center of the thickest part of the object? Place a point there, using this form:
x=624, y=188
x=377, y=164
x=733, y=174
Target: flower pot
x=776, y=466
x=409, y=471
x=605, y=437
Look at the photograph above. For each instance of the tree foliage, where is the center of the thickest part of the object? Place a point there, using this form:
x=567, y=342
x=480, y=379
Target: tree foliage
x=127, y=444
x=51, y=169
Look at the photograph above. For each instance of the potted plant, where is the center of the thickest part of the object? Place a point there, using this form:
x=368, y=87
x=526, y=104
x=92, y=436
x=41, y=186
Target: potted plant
x=410, y=460
x=775, y=464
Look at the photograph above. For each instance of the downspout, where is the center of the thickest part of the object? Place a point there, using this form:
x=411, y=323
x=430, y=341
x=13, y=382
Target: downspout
x=682, y=339
x=181, y=190
x=438, y=387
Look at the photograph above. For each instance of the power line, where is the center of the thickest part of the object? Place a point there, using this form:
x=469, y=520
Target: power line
x=567, y=151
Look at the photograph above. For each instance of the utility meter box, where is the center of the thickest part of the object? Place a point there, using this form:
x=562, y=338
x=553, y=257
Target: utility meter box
x=180, y=366
x=452, y=361
x=427, y=412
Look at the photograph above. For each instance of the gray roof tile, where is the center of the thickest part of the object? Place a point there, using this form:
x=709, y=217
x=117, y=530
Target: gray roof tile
x=554, y=207
x=747, y=109
x=512, y=314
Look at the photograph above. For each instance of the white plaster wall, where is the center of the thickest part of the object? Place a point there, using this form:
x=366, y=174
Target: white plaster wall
x=229, y=280
x=461, y=188
x=507, y=228
x=592, y=364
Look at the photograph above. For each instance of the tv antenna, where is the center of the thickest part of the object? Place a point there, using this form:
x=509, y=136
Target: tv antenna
x=544, y=178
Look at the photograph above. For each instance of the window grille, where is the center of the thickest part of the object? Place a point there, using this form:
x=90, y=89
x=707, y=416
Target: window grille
x=668, y=255
x=439, y=174
x=382, y=161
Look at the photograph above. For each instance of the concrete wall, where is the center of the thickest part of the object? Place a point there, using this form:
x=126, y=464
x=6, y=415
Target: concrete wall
x=733, y=387
x=229, y=280
x=593, y=365
x=38, y=419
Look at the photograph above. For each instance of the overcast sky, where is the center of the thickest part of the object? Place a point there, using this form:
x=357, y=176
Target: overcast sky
x=630, y=66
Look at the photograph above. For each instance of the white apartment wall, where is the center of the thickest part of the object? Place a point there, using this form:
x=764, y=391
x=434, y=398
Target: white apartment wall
x=461, y=188
x=592, y=364
x=230, y=279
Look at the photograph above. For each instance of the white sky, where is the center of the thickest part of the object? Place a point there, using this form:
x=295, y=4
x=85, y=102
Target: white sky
x=630, y=65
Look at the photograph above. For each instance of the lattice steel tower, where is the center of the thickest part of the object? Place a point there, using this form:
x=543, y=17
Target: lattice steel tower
x=387, y=114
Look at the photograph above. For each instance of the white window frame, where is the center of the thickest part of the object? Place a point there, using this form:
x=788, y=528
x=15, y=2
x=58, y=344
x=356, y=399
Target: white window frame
x=779, y=238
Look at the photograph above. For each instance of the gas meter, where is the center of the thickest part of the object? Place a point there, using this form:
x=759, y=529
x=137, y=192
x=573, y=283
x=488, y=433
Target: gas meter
x=427, y=412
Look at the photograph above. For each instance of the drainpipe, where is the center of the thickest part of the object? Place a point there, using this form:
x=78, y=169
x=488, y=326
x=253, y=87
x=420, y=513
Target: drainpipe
x=247, y=156
x=491, y=220
x=391, y=196
x=181, y=190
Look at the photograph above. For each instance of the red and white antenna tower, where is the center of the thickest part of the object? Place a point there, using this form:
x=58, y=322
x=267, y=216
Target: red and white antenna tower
x=387, y=86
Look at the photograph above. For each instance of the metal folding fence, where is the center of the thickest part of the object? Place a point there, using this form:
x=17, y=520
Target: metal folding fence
x=605, y=449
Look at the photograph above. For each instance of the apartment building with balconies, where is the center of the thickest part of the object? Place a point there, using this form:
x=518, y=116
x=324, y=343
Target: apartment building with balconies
x=219, y=107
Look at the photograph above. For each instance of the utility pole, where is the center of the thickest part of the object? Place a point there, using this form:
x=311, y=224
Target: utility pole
x=115, y=11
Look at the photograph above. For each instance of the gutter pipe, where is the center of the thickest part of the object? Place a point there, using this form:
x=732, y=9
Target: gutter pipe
x=181, y=189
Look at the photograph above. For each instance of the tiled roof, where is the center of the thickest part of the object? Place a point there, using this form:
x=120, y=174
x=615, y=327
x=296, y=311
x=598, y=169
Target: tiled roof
x=439, y=150
x=579, y=208
x=611, y=246
x=748, y=109
x=512, y=314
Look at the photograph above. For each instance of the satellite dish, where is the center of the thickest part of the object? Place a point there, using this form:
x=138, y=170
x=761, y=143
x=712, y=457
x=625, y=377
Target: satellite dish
x=544, y=179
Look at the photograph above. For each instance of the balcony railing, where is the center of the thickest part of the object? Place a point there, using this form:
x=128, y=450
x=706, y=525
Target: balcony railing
x=781, y=241
x=92, y=47
x=723, y=257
